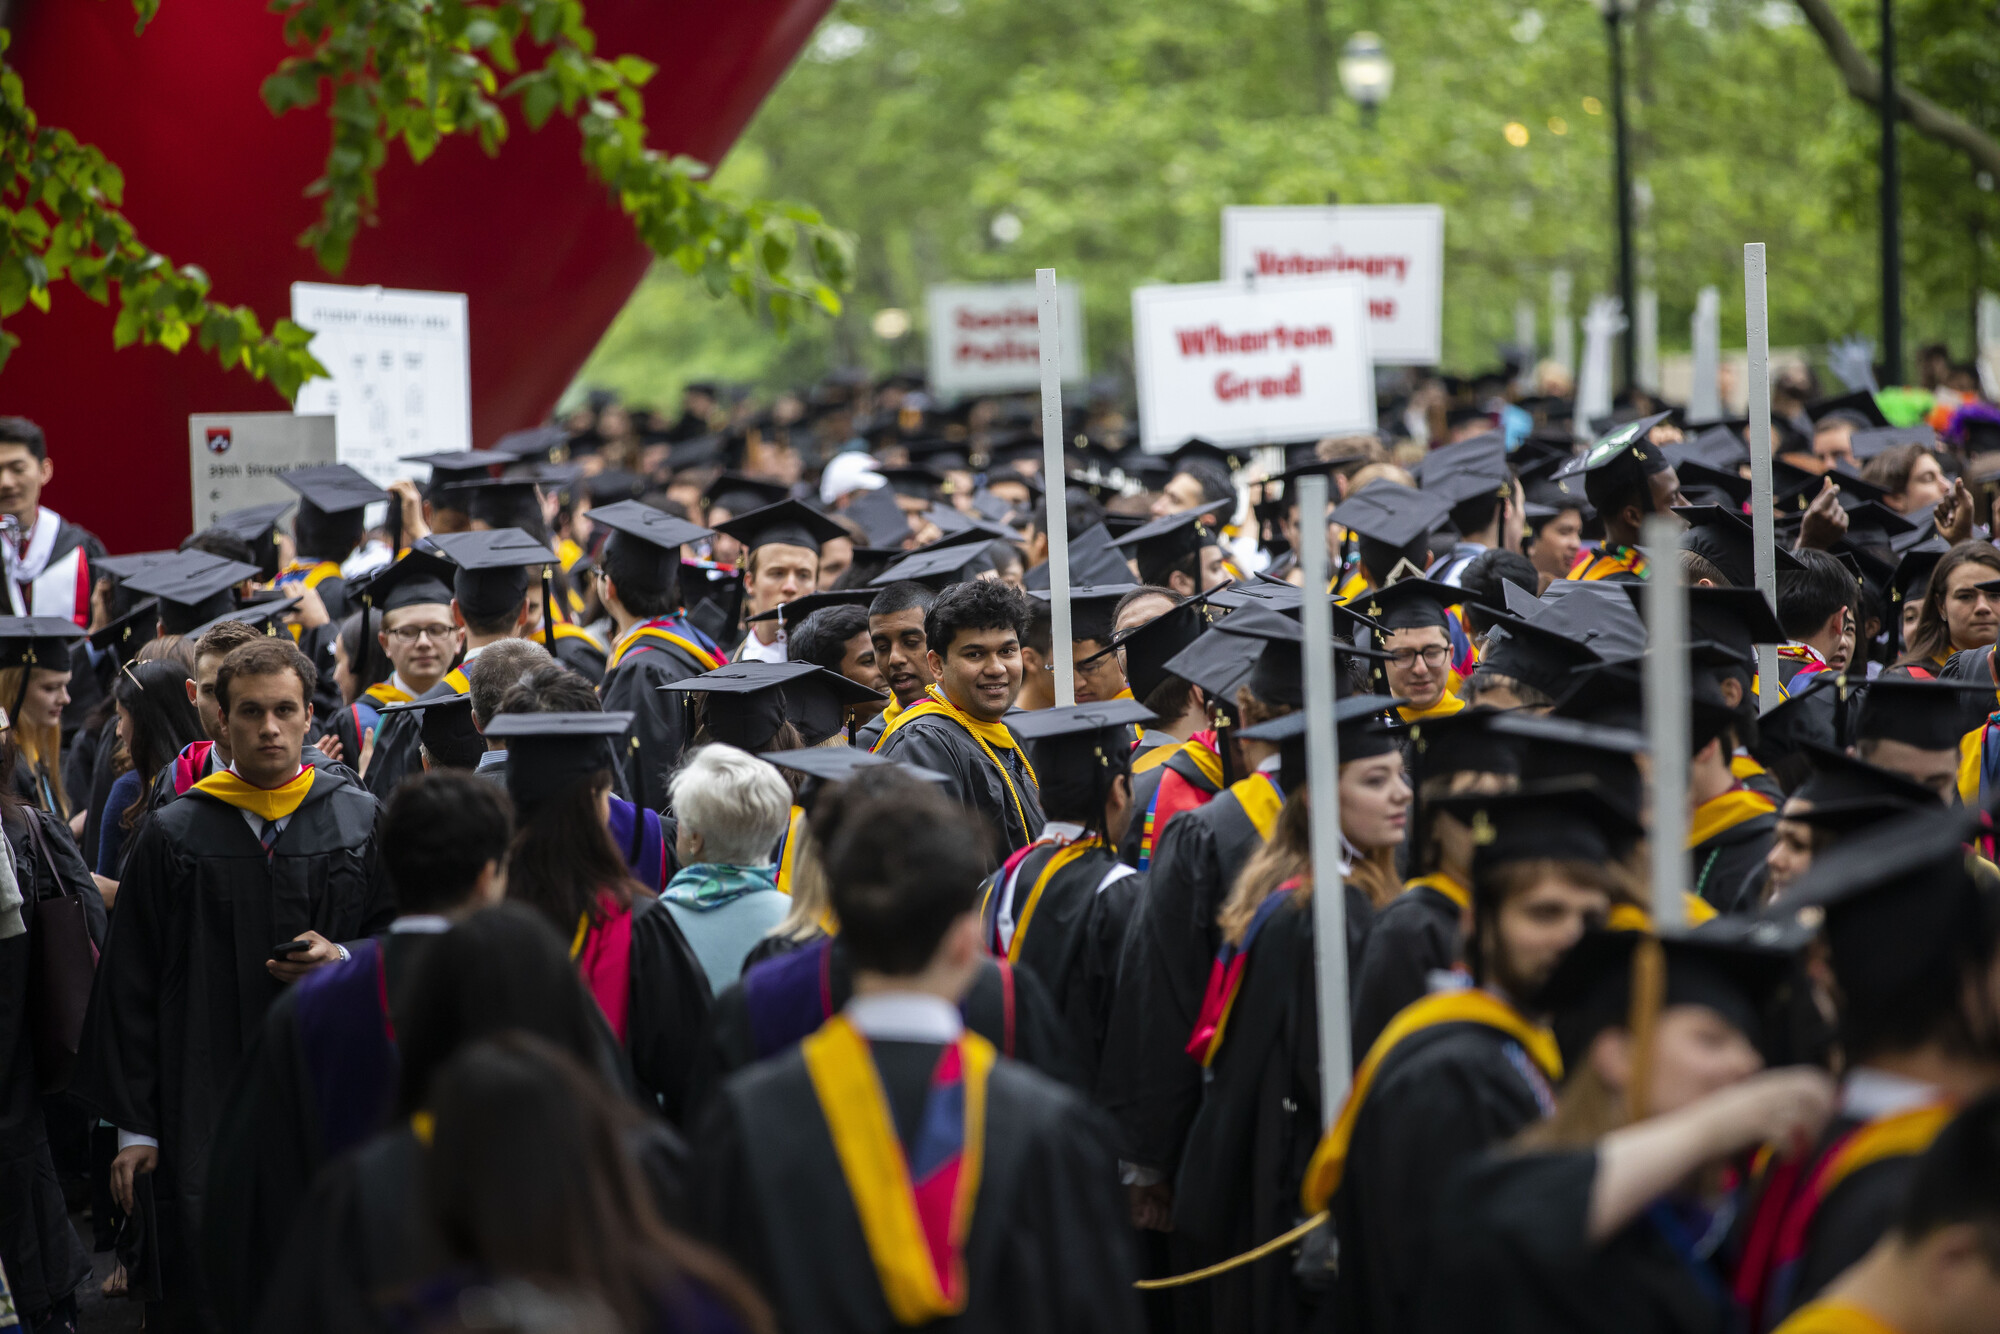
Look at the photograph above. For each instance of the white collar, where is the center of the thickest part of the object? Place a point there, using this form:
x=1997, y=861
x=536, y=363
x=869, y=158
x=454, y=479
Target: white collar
x=472, y=653
x=905, y=1016
x=1271, y=764
x=1868, y=1093
x=293, y=778
x=1061, y=832
x=420, y=924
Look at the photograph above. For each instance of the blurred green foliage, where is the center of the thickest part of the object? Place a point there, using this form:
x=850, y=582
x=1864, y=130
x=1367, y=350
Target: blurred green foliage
x=1115, y=131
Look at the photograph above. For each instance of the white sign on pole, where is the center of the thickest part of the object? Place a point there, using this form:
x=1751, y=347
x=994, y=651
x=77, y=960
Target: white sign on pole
x=1562, y=333
x=236, y=458
x=1705, y=397
x=1396, y=249
x=1605, y=322
x=1524, y=343
x=400, y=372
x=1246, y=366
x=983, y=340
x=1649, y=340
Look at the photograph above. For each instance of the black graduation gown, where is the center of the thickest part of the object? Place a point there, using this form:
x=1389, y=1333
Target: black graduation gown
x=937, y=742
x=182, y=989
x=1258, y=1125
x=1725, y=861
x=1145, y=787
x=103, y=772
x=301, y=1096
x=1170, y=943
x=652, y=749
x=362, y=1235
x=1416, y=934
x=1441, y=1096
x=399, y=741
x=1008, y=1007
x=580, y=653
x=1071, y=943
x=43, y=1259
x=1049, y=1249
x=667, y=1011
x=1512, y=1258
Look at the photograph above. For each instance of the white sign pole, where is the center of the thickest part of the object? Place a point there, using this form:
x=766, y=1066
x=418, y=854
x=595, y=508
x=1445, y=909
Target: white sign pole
x=1524, y=341
x=1664, y=673
x=1336, y=1058
x=1593, y=385
x=1649, y=340
x=1055, y=492
x=1562, y=334
x=1705, y=397
x=1763, y=516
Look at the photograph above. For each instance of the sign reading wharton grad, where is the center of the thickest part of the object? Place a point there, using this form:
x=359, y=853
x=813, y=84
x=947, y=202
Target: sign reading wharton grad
x=1241, y=366
x=1397, y=249
x=236, y=458
x=983, y=339
x=400, y=372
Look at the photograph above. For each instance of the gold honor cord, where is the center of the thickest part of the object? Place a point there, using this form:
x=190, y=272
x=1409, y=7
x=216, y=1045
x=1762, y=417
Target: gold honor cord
x=1234, y=1261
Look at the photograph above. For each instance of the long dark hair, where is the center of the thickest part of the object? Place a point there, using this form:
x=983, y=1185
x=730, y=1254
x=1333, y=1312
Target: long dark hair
x=529, y=1177
x=564, y=859
x=164, y=721
x=1932, y=637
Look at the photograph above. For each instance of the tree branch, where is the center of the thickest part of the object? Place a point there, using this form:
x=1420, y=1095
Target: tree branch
x=1864, y=82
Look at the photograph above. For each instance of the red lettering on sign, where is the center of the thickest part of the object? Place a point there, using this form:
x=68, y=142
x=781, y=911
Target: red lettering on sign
x=1014, y=317
x=1271, y=264
x=1213, y=340
x=1230, y=387
x=1006, y=350
x=1382, y=308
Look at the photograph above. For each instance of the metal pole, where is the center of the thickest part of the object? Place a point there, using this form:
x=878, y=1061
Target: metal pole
x=1055, y=490
x=1763, y=515
x=1623, y=166
x=1892, y=209
x=1336, y=1058
x=1665, y=675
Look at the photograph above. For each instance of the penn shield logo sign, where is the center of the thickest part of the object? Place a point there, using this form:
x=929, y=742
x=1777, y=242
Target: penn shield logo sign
x=219, y=440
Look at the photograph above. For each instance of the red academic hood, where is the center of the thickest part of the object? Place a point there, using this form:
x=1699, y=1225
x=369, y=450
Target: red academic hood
x=211, y=177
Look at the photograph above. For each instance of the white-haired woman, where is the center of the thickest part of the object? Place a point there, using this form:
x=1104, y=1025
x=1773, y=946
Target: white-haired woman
x=731, y=807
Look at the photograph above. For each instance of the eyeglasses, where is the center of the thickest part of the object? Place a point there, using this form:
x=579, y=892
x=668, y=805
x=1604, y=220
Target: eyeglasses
x=1433, y=656
x=410, y=634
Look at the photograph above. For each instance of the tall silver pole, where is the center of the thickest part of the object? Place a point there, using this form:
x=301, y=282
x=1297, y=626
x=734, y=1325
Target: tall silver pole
x=1763, y=516
x=1665, y=676
x=1336, y=1059
x=1055, y=490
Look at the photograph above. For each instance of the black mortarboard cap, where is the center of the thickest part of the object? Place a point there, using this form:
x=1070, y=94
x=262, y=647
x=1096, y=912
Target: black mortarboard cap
x=1463, y=742
x=837, y=764
x=879, y=516
x=1593, y=613
x=1725, y=538
x=451, y=471
x=1567, y=821
x=1014, y=447
x=1093, y=559
x=493, y=567
x=1363, y=732
x=446, y=730
x=937, y=567
x=1718, y=447
x=193, y=587
x=1197, y=448
x=1899, y=903
x=537, y=442
x=1468, y=469
x=1091, y=608
x=939, y=455
x=796, y=611
x=1930, y=715
x=1861, y=402
x=1793, y=488
x=1845, y=789
x=124, y=567
x=912, y=480
x=653, y=527
x=266, y=613
x=1736, y=970
x=420, y=578
x=789, y=522
x=1277, y=672
x=1148, y=646
x=1867, y=444
x=1554, y=748
x=1542, y=658
x=1620, y=459
x=37, y=641
x=746, y=701
x=253, y=523
x=1913, y=571
x=126, y=635
x=1794, y=725
x=548, y=752
x=1736, y=618
x=1704, y=485
x=1066, y=743
x=1392, y=514
x=740, y=494
x=1410, y=604
x=333, y=488
x=613, y=485
x=1173, y=537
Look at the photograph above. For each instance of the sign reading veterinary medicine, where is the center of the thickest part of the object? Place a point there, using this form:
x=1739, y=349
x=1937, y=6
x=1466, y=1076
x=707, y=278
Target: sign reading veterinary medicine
x=983, y=337
x=400, y=374
x=1397, y=249
x=236, y=458
x=1243, y=366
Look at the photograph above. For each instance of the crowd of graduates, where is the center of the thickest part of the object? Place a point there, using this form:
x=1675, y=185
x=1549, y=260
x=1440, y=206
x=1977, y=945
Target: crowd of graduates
x=640, y=877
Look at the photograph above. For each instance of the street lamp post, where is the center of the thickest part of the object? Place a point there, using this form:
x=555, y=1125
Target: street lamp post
x=1614, y=23
x=1892, y=209
x=1366, y=73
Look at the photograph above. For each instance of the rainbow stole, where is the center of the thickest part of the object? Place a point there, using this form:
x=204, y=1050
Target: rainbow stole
x=1607, y=561
x=916, y=1208
x=1225, y=978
